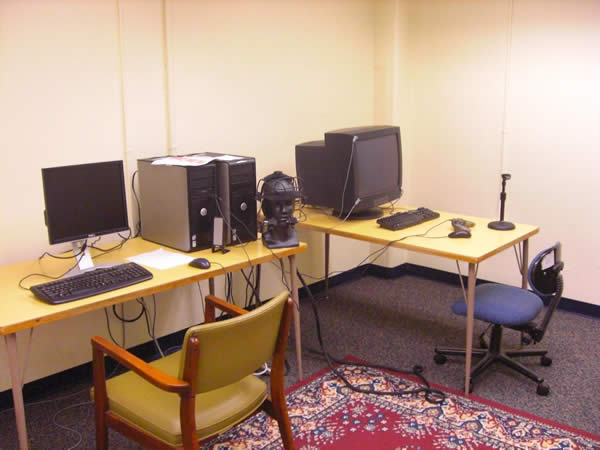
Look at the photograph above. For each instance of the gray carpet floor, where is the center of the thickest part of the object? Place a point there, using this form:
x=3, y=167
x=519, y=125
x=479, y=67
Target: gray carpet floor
x=396, y=323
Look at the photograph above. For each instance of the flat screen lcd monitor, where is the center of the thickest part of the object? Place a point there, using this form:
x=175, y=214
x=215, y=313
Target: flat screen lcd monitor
x=84, y=201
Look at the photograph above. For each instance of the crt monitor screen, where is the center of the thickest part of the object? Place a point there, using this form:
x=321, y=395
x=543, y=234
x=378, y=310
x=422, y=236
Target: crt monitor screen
x=376, y=166
x=84, y=200
x=352, y=171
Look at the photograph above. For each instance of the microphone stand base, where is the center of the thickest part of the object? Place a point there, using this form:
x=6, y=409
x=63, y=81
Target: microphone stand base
x=501, y=225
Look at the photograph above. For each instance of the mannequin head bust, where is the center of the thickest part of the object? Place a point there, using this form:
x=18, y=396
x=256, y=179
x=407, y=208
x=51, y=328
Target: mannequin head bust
x=278, y=195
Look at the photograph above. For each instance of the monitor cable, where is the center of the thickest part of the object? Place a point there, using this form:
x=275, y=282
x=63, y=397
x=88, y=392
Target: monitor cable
x=354, y=139
x=432, y=395
x=78, y=257
x=104, y=251
x=138, y=230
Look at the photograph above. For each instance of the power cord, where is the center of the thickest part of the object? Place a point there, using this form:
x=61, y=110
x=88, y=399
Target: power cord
x=432, y=395
x=265, y=370
x=151, y=329
x=375, y=255
x=78, y=257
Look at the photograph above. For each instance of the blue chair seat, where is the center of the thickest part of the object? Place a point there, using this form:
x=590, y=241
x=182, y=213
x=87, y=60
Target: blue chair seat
x=501, y=304
x=511, y=307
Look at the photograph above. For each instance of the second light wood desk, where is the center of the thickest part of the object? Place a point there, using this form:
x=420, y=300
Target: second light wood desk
x=21, y=310
x=483, y=244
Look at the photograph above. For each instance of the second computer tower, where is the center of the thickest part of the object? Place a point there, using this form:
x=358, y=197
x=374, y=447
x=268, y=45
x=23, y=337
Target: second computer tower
x=236, y=196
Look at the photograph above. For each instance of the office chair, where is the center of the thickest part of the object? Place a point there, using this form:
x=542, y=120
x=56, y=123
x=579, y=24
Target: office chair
x=511, y=307
x=202, y=390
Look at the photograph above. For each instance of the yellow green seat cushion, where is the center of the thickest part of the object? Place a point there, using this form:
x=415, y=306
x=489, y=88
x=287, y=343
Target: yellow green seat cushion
x=157, y=411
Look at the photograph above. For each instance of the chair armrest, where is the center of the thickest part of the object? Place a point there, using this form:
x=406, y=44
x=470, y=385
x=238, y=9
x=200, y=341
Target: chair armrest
x=151, y=374
x=213, y=302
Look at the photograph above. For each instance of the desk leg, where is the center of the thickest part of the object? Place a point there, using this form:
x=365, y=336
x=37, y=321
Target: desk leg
x=470, y=313
x=525, y=263
x=17, y=392
x=211, y=286
x=327, y=242
x=294, y=287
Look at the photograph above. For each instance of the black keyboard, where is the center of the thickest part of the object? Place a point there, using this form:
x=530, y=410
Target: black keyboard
x=91, y=283
x=407, y=219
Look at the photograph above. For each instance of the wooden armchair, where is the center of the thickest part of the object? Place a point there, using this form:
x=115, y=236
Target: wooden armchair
x=202, y=390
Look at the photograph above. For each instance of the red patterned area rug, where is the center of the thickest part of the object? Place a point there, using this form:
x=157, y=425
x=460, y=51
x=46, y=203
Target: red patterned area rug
x=325, y=414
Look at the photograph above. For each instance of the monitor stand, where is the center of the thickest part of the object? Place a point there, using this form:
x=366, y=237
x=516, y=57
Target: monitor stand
x=365, y=214
x=83, y=258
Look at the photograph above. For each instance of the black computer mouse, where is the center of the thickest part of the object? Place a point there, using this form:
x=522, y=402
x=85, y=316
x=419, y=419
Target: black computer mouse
x=460, y=234
x=200, y=263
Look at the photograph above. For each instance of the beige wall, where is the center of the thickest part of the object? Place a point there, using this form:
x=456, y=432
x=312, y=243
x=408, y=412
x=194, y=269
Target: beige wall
x=478, y=88
x=502, y=86
x=98, y=80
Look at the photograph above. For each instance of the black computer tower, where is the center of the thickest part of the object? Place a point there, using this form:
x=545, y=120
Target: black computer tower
x=236, y=195
x=177, y=204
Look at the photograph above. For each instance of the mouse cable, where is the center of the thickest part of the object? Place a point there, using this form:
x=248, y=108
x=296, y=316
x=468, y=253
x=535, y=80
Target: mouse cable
x=201, y=297
x=151, y=329
x=375, y=255
x=226, y=276
x=371, y=257
x=112, y=338
x=432, y=395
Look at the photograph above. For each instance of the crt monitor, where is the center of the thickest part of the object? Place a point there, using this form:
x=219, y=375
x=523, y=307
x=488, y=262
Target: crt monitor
x=84, y=201
x=352, y=171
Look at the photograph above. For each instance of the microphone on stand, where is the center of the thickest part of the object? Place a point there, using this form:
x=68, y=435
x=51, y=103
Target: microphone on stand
x=502, y=225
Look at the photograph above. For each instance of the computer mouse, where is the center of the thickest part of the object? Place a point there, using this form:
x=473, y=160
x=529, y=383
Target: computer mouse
x=461, y=228
x=460, y=234
x=200, y=263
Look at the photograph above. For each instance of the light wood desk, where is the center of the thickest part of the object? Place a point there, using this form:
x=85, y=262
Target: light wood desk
x=483, y=244
x=21, y=310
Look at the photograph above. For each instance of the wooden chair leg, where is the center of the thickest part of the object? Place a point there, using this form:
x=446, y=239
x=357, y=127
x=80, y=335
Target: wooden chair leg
x=280, y=414
x=101, y=435
x=188, y=423
x=285, y=429
x=278, y=402
x=100, y=399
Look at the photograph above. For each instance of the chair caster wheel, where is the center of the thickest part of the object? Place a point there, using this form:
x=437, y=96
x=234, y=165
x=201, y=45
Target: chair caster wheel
x=545, y=361
x=543, y=389
x=439, y=358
